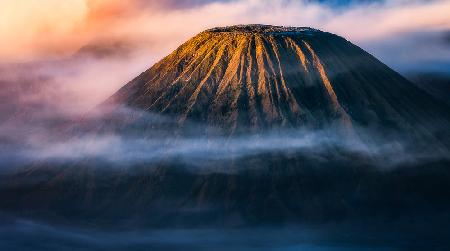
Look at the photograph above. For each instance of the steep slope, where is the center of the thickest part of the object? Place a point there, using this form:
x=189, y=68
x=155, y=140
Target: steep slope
x=254, y=77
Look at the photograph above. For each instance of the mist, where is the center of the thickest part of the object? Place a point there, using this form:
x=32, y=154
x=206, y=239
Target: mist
x=58, y=137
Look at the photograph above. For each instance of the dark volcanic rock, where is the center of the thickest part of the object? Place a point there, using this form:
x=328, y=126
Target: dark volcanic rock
x=436, y=84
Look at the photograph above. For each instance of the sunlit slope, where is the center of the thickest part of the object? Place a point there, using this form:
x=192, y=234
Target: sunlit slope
x=254, y=77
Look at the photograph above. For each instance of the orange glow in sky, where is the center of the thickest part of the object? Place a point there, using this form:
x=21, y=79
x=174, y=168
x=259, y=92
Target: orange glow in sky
x=36, y=28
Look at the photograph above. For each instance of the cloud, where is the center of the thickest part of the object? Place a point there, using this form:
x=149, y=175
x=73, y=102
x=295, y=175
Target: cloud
x=30, y=27
x=73, y=85
x=50, y=138
x=420, y=51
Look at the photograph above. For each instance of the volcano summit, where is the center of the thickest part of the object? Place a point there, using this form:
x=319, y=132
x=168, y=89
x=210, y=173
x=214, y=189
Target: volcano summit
x=256, y=77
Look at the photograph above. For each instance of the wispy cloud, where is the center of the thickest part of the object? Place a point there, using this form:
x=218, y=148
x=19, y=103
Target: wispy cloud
x=30, y=27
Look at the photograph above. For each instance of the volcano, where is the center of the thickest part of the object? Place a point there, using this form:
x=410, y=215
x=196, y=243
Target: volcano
x=257, y=77
x=245, y=81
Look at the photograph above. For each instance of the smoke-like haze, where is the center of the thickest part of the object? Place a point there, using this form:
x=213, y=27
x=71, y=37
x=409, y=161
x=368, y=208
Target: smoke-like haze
x=62, y=138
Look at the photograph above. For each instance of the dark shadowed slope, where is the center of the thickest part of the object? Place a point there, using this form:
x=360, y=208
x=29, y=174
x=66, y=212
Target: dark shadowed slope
x=436, y=84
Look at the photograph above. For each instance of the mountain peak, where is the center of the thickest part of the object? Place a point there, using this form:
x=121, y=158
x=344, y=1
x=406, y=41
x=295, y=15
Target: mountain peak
x=262, y=29
x=238, y=80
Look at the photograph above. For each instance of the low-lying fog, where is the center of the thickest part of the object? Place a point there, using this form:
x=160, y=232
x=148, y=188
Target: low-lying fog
x=60, y=137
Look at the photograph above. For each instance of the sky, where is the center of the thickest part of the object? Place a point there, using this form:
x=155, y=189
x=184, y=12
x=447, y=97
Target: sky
x=84, y=50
